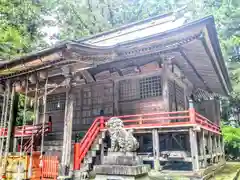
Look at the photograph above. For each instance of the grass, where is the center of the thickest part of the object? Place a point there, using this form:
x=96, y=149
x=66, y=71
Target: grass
x=228, y=172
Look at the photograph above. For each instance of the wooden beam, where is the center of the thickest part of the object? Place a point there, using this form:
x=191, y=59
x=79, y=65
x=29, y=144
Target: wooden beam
x=87, y=76
x=194, y=149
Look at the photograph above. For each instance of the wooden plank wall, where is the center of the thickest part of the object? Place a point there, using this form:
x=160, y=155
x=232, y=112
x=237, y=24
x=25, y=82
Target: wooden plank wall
x=141, y=95
x=132, y=93
x=209, y=109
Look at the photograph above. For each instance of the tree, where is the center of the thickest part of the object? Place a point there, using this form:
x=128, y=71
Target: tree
x=20, y=33
x=232, y=141
x=20, y=25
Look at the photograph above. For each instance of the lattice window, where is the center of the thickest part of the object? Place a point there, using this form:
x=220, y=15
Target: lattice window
x=150, y=87
x=55, y=102
x=87, y=120
x=95, y=99
x=180, y=97
x=108, y=94
x=87, y=101
x=127, y=90
x=171, y=95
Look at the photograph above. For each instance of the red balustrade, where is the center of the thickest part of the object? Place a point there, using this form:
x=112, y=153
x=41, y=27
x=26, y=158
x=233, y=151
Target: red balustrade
x=141, y=121
x=27, y=130
x=82, y=148
x=175, y=118
x=50, y=167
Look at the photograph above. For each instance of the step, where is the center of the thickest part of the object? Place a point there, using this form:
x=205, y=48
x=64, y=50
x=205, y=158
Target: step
x=95, y=147
x=88, y=160
x=92, y=153
x=52, y=148
x=53, y=143
x=59, y=135
x=80, y=174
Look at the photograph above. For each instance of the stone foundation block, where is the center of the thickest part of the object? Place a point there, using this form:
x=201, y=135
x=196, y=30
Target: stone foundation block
x=121, y=170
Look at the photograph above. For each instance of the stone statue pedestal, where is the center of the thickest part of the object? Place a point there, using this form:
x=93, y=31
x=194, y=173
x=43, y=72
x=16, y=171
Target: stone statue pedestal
x=121, y=166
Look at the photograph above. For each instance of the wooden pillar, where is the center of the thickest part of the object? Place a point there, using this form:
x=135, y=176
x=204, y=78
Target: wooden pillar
x=165, y=89
x=67, y=137
x=9, y=127
x=202, y=148
x=219, y=147
x=10, y=121
x=70, y=127
x=194, y=149
x=156, y=149
x=219, y=143
x=214, y=148
x=222, y=148
x=210, y=147
x=15, y=144
x=3, y=117
x=102, y=152
x=141, y=143
x=36, y=103
x=116, y=98
x=14, y=120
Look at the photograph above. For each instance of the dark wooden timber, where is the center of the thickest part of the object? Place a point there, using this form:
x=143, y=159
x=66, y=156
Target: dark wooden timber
x=213, y=63
x=194, y=69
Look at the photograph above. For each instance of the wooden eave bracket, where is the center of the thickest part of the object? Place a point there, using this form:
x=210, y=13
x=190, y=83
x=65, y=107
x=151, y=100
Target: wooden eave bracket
x=87, y=76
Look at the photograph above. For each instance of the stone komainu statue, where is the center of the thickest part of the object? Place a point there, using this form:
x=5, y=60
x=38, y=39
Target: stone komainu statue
x=121, y=139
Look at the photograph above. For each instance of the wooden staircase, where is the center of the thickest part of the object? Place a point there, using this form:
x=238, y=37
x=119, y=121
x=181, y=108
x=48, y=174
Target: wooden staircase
x=91, y=158
x=34, y=134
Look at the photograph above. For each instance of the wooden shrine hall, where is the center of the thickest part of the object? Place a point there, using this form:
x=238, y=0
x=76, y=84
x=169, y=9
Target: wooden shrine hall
x=163, y=77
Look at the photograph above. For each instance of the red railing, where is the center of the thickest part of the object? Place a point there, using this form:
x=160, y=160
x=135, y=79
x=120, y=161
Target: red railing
x=141, y=121
x=82, y=148
x=50, y=167
x=26, y=130
x=34, y=139
x=155, y=119
x=209, y=125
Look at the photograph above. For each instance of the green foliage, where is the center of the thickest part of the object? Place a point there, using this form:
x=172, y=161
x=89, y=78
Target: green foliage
x=232, y=140
x=29, y=115
x=19, y=27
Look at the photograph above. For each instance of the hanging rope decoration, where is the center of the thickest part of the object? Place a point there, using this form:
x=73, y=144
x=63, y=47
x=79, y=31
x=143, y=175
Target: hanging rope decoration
x=24, y=115
x=25, y=84
x=44, y=119
x=9, y=127
x=34, y=122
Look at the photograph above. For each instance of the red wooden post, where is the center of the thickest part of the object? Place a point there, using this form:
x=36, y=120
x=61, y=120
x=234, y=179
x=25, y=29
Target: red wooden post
x=50, y=126
x=192, y=112
x=76, y=163
x=102, y=122
x=141, y=119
